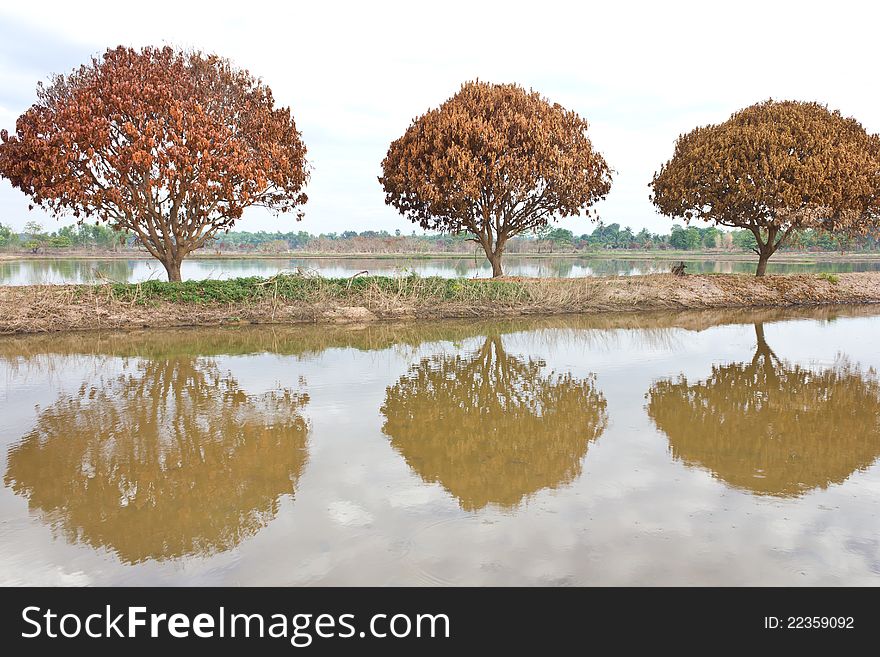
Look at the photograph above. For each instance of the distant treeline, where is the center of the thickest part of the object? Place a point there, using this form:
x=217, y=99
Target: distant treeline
x=82, y=237
x=88, y=237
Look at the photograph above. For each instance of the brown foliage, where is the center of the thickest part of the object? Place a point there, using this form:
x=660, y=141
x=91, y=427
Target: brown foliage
x=493, y=160
x=170, y=145
x=773, y=168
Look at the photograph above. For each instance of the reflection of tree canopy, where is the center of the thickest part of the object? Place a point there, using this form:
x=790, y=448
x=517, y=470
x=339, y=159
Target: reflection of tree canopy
x=489, y=427
x=170, y=460
x=772, y=427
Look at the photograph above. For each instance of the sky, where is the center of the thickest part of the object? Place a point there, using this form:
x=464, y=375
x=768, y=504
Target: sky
x=355, y=74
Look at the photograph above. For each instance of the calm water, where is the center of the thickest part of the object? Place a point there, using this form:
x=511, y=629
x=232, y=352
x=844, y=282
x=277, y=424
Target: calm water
x=61, y=270
x=707, y=448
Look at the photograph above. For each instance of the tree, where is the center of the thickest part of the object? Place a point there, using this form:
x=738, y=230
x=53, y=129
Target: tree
x=59, y=242
x=93, y=235
x=491, y=428
x=7, y=236
x=33, y=230
x=774, y=168
x=561, y=237
x=34, y=235
x=745, y=239
x=170, y=145
x=169, y=459
x=496, y=161
x=711, y=237
x=685, y=239
x=276, y=246
x=771, y=427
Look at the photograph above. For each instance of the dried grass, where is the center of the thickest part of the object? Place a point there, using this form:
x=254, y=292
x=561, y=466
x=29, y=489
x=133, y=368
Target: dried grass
x=302, y=298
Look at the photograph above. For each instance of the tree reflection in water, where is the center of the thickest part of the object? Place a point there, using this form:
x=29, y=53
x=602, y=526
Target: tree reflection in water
x=169, y=459
x=771, y=427
x=489, y=427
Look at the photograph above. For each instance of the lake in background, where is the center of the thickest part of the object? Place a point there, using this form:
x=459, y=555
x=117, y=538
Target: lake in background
x=71, y=270
x=709, y=448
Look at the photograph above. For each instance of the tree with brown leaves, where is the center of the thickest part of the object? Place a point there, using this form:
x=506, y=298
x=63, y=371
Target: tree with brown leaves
x=495, y=161
x=774, y=168
x=170, y=145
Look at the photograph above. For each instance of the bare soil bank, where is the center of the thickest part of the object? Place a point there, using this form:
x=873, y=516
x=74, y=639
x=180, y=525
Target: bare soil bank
x=45, y=308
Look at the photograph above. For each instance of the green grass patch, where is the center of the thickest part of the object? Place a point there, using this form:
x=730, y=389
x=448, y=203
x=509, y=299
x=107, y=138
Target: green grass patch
x=834, y=279
x=294, y=287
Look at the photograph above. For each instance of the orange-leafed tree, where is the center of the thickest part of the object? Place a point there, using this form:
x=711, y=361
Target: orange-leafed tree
x=494, y=160
x=775, y=168
x=170, y=145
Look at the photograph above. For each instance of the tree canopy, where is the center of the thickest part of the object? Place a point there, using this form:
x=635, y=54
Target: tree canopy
x=494, y=160
x=170, y=145
x=774, y=168
x=491, y=428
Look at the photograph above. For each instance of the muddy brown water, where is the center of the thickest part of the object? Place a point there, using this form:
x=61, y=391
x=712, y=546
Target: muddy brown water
x=693, y=448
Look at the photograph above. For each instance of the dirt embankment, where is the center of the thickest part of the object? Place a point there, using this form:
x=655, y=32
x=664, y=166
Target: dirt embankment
x=45, y=308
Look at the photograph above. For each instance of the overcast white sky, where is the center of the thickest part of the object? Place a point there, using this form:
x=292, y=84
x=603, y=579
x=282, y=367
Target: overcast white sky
x=356, y=73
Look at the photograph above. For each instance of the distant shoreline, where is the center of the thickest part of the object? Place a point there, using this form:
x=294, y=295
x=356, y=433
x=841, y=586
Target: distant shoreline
x=805, y=257
x=293, y=299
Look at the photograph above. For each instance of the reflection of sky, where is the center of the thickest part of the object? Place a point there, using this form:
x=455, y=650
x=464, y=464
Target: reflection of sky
x=361, y=516
x=32, y=272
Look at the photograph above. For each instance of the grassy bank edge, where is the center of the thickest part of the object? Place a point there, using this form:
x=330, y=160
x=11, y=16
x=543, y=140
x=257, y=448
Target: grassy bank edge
x=297, y=298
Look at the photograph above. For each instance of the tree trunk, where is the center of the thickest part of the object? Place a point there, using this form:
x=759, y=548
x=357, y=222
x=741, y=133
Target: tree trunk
x=495, y=259
x=766, y=248
x=763, y=257
x=494, y=256
x=173, y=268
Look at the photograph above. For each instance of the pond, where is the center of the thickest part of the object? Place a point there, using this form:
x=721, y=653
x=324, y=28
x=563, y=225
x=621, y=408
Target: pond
x=72, y=270
x=708, y=448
